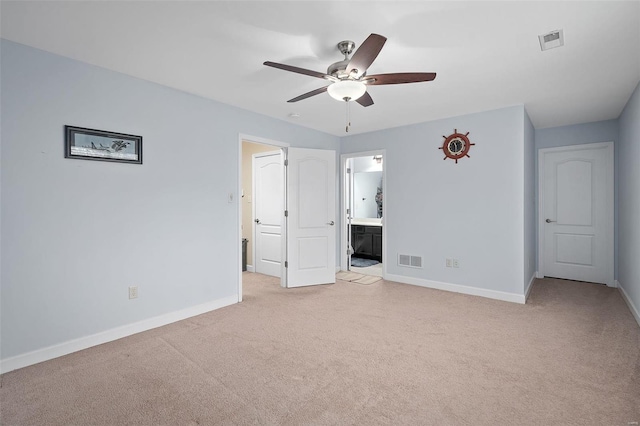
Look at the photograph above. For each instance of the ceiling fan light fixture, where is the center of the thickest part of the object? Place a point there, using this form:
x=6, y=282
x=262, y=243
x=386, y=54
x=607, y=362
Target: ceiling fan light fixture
x=346, y=90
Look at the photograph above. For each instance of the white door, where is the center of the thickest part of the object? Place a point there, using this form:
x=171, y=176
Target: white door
x=311, y=207
x=268, y=208
x=577, y=212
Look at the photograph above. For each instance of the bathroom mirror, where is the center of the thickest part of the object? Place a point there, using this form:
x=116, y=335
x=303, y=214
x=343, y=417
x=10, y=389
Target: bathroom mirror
x=367, y=194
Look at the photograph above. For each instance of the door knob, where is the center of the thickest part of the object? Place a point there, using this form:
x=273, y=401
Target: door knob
x=549, y=221
x=331, y=223
x=257, y=221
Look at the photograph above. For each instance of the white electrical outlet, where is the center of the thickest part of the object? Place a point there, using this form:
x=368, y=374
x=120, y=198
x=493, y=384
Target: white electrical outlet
x=133, y=292
x=449, y=263
x=456, y=263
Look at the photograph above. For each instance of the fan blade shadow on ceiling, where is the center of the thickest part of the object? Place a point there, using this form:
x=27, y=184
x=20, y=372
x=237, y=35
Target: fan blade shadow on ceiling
x=435, y=27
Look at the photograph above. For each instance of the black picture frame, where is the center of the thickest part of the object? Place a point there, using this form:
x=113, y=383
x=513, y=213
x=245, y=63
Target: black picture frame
x=101, y=145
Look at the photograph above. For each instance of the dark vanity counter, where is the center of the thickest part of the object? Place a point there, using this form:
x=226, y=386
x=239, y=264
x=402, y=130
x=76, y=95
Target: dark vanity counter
x=367, y=241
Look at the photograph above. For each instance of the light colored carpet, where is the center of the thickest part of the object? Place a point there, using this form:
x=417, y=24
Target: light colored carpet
x=385, y=353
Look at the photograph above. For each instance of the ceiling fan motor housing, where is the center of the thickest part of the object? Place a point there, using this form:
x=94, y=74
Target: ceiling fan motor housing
x=338, y=69
x=346, y=47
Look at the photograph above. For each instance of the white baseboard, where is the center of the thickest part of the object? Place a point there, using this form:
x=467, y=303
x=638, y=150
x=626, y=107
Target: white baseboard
x=250, y=268
x=539, y=274
x=633, y=308
x=528, y=289
x=55, y=351
x=457, y=288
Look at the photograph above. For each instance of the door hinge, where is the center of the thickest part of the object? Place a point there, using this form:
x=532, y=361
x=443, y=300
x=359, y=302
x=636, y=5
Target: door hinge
x=348, y=170
x=286, y=162
x=286, y=264
x=286, y=213
x=348, y=212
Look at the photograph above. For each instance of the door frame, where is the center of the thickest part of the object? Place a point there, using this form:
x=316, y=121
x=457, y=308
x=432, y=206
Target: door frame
x=277, y=145
x=608, y=146
x=344, y=203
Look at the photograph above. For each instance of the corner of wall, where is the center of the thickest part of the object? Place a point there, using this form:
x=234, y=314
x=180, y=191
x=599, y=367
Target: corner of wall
x=635, y=311
x=628, y=201
x=529, y=205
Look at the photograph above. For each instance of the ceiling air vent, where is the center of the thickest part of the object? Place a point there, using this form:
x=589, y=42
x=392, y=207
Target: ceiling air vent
x=551, y=40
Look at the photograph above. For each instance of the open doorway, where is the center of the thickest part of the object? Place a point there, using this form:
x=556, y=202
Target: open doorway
x=364, y=232
x=262, y=202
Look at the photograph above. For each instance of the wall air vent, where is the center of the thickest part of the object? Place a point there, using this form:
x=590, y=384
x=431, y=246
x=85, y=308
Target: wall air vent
x=410, y=261
x=551, y=40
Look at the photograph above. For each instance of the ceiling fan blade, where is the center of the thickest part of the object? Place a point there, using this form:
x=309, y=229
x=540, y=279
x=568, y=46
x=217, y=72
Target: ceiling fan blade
x=365, y=100
x=398, y=78
x=297, y=70
x=309, y=94
x=365, y=55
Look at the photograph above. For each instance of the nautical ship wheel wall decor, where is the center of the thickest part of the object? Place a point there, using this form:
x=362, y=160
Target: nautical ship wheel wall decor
x=456, y=145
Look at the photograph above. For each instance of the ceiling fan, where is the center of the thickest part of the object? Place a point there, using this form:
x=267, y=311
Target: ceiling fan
x=348, y=78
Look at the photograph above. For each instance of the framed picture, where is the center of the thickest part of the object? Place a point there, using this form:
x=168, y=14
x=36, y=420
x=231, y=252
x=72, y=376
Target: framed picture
x=91, y=144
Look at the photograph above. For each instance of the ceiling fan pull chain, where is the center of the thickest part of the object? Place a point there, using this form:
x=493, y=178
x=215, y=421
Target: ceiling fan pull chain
x=348, y=116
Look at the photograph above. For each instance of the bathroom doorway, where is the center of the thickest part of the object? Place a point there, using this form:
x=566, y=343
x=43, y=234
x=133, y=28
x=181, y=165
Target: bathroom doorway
x=363, y=177
x=262, y=205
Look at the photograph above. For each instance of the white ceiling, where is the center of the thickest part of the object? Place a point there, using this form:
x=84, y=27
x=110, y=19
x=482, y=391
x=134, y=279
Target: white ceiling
x=486, y=54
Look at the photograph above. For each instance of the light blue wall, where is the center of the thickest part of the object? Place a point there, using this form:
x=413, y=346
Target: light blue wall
x=76, y=234
x=578, y=134
x=472, y=211
x=629, y=200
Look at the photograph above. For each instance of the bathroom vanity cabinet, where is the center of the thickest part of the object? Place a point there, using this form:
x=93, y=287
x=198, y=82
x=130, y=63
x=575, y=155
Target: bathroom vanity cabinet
x=367, y=241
